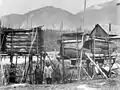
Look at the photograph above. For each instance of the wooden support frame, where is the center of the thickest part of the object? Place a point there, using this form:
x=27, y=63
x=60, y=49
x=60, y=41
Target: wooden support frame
x=96, y=65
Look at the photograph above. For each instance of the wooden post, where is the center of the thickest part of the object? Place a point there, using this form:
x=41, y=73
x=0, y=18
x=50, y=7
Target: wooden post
x=25, y=66
x=80, y=64
x=0, y=38
x=37, y=49
x=108, y=50
x=1, y=64
x=11, y=58
x=109, y=54
x=0, y=53
x=16, y=60
x=1, y=71
x=11, y=55
x=25, y=72
x=81, y=53
x=40, y=41
x=94, y=48
x=25, y=63
x=77, y=55
x=93, y=54
x=30, y=69
x=62, y=52
x=63, y=68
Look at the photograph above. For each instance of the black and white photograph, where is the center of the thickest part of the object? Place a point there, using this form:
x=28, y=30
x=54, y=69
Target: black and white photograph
x=59, y=44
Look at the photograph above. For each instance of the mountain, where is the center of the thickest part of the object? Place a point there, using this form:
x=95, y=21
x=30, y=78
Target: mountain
x=49, y=16
x=101, y=13
x=52, y=17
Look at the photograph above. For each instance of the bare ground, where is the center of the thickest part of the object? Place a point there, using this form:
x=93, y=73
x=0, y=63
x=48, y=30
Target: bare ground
x=103, y=84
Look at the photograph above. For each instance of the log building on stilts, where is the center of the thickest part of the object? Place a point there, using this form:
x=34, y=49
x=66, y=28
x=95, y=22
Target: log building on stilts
x=96, y=50
x=27, y=43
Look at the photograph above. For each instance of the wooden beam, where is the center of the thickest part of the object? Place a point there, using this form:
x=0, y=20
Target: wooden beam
x=7, y=30
x=8, y=41
x=21, y=44
x=21, y=47
x=96, y=65
x=20, y=53
x=19, y=37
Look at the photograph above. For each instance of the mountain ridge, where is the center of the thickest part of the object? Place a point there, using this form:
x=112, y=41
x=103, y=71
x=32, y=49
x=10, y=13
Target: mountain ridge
x=51, y=17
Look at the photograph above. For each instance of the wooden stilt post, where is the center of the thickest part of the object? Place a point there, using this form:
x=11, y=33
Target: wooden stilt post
x=62, y=53
x=24, y=72
x=41, y=65
x=11, y=58
x=93, y=54
x=0, y=37
x=37, y=48
x=77, y=55
x=1, y=71
x=25, y=66
x=94, y=48
x=109, y=53
x=80, y=64
x=11, y=54
x=16, y=60
x=27, y=70
x=0, y=52
x=25, y=63
x=80, y=61
x=30, y=69
x=40, y=42
x=1, y=66
x=63, y=68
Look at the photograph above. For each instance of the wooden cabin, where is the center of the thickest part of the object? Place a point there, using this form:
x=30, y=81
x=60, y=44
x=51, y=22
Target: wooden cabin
x=99, y=48
x=99, y=42
x=20, y=42
x=71, y=44
x=96, y=47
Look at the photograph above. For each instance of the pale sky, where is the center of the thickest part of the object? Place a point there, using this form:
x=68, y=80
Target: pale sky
x=23, y=6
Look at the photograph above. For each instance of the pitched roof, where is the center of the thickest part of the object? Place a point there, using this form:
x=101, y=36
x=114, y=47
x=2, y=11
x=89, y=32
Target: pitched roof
x=98, y=31
x=114, y=28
